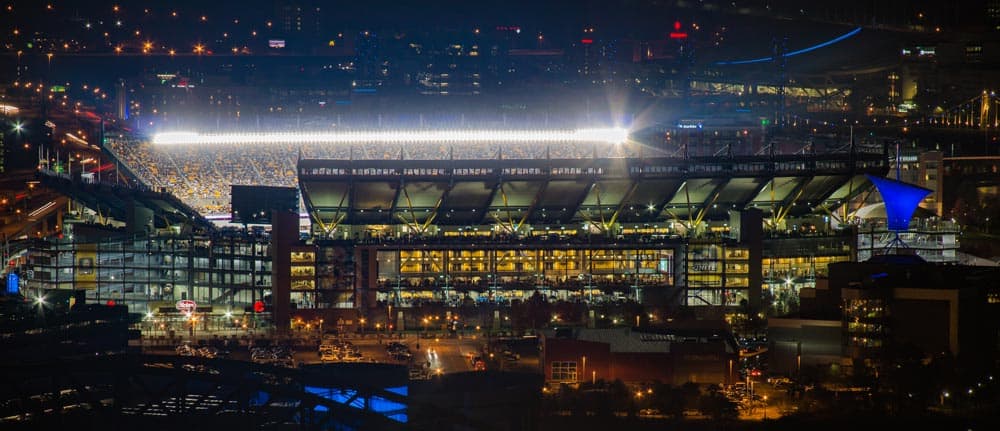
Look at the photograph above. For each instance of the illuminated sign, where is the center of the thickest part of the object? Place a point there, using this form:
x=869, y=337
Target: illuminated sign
x=13, y=284
x=276, y=43
x=186, y=305
x=258, y=307
x=586, y=41
x=677, y=33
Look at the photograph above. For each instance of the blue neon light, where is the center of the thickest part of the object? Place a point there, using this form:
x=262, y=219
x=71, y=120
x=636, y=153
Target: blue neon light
x=794, y=53
x=13, y=284
x=348, y=397
x=900, y=199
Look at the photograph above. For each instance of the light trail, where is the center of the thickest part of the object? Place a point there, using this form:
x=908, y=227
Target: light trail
x=796, y=52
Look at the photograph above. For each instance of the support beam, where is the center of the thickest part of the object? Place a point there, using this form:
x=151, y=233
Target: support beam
x=790, y=199
x=508, y=222
x=437, y=206
x=412, y=222
x=352, y=198
x=338, y=217
x=579, y=201
x=489, y=201
x=621, y=205
x=669, y=197
x=757, y=191
x=711, y=198
x=534, y=203
x=395, y=197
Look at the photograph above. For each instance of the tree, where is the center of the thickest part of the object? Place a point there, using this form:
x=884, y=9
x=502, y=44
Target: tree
x=716, y=406
x=668, y=400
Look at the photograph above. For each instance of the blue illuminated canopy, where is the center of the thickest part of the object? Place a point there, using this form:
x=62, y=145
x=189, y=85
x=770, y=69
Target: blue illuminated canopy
x=901, y=200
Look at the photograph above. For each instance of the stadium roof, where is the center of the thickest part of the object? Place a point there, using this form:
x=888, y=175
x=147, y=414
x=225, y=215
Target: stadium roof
x=120, y=202
x=555, y=191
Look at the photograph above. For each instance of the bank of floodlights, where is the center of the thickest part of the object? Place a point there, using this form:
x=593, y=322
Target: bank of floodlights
x=606, y=135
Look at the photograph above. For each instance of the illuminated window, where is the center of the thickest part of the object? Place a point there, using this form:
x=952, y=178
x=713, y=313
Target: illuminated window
x=564, y=371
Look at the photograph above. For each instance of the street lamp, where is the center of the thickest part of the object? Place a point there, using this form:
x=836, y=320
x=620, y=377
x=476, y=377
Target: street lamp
x=765, y=406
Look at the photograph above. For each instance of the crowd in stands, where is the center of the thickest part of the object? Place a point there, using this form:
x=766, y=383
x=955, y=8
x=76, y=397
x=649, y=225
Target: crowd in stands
x=201, y=176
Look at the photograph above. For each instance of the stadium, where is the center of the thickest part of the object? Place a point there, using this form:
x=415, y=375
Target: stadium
x=462, y=219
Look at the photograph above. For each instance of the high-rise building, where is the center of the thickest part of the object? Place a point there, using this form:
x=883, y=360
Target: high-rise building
x=3, y=153
x=298, y=17
x=993, y=13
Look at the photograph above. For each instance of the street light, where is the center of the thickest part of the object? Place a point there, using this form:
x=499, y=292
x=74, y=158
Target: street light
x=765, y=406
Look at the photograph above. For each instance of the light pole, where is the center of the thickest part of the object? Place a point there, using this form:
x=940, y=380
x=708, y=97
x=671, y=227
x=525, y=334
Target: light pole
x=765, y=406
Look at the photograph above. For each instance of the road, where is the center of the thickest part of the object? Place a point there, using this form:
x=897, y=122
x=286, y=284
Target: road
x=444, y=355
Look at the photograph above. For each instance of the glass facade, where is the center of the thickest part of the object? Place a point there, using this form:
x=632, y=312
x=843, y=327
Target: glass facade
x=152, y=273
x=717, y=274
x=502, y=274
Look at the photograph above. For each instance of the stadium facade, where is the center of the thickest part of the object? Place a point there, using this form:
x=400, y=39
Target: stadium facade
x=664, y=231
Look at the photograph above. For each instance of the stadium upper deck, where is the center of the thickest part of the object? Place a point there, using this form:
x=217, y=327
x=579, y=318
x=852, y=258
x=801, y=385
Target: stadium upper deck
x=199, y=169
x=598, y=192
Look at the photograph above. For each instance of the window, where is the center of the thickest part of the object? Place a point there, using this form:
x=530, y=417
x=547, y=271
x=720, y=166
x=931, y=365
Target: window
x=564, y=371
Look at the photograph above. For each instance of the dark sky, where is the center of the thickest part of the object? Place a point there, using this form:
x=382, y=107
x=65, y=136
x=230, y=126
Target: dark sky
x=615, y=18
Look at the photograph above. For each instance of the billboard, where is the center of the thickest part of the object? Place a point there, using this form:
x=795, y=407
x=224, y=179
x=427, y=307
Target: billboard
x=276, y=43
x=253, y=204
x=84, y=268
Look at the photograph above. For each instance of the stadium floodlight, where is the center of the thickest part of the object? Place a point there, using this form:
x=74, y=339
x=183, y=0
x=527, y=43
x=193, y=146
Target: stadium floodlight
x=608, y=135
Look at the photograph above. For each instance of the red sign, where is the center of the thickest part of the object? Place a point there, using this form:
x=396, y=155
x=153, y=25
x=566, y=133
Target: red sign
x=677, y=33
x=586, y=41
x=186, y=305
x=258, y=307
x=111, y=303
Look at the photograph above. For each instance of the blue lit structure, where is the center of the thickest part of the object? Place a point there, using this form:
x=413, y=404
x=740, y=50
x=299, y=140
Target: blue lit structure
x=351, y=398
x=901, y=200
x=794, y=53
x=13, y=284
